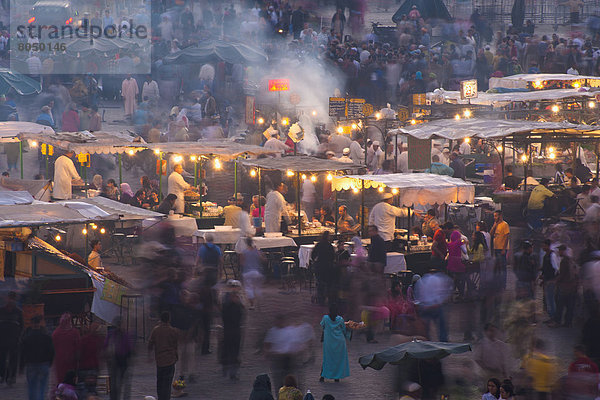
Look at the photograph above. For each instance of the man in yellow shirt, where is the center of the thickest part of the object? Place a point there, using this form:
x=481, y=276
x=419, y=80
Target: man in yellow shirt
x=500, y=234
x=535, y=206
x=542, y=370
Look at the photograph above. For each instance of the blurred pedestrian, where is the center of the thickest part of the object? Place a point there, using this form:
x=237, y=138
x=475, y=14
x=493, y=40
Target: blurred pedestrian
x=66, y=342
x=91, y=345
x=566, y=289
x=492, y=354
x=232, y=315
x=11, y=328
x=119, y=350
x=37, y=353
x=335, y=355
x=500, y=234
x=163, y=341
x=542, y=370
x=252, y=261
x=432, y=292
x=323, y=258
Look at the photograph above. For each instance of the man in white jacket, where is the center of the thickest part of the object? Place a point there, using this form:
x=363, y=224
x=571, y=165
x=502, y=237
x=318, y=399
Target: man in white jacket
x=383, y=216
x=64, y=175
x=276, y=208
x=177, y=185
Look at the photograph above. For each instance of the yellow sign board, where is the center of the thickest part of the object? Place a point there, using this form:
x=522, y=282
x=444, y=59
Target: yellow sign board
x=49, y=149
x=468, y=89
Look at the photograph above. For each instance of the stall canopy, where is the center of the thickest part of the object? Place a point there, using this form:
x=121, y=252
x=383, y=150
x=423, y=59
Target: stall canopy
x=498, y=99
x=522, y=81
x=224, y=149
x=99, y=47
x=418, y=188
x=10, y=130
x=301, y=164
x=123, y=211
x=427, y=8
x=232, y=52
x=101, y=142
x=453, y=129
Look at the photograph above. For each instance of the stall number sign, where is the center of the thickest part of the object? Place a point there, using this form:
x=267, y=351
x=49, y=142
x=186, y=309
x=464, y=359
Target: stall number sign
x=468, y=89
x=403, y=114
x=279, y=85
x=419, y=99
x=47, y=150
x=84, y=159
x=161, y=167
x=419, y=153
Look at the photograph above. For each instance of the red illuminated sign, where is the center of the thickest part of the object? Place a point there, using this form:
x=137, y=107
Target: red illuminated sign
x=279, y=85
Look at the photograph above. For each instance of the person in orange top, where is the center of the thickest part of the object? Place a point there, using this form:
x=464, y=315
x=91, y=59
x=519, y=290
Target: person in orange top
x=500, y=233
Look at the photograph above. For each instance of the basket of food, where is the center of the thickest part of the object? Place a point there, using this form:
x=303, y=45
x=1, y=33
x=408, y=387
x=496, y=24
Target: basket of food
x=355, y=326
x=190, y=195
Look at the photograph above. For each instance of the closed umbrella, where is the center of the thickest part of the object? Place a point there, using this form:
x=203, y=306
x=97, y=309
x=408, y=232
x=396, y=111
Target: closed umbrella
x=218, y=50
x=416, y=349
x=22, y=84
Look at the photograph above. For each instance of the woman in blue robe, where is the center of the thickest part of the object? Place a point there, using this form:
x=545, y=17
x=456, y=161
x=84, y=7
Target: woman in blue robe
x=335, y=355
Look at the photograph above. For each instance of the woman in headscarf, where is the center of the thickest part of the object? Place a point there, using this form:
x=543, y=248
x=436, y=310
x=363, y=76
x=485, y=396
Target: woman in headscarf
x=456, y=268
x=126, y=193
x=66, y=341
x=262, y=388
x=439, y=250
x=335, y=355
x=97, y=182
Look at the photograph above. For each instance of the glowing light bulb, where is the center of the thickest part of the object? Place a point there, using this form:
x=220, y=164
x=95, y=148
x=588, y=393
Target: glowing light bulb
x=303, y=177
x=84, y=231
x=394, y=191
x=178, y=159
x=217, y=163
x=261, y=120
x=57, y=238
x=193, y=158
x=467, y=140
x=555, y=108
x=290, y=173
x=94, y=226
x=313, y=178
x=538, y=84
x=354, y=126
x=314, y=113
x=457, y=117
x=380, y=189
x=253, y=173
x=592, y=104
x=499, y=148
x=340, y=129
x=551, y=149
x=576, y=85
x=329, y=177
x=552, y=156
x=467, y=113
x=355, y=190
x=102, y=231
x=524, y=157
x=285, y=121
x=378, y=115
x=34, y=144
x=413, y=121
x=157, y=151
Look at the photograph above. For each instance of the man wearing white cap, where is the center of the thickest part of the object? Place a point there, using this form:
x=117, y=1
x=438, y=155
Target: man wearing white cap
x=357, y=154
x=331, y=155
x=374, y=156
x=275, y=144
x=345, y=156
x=383, y=216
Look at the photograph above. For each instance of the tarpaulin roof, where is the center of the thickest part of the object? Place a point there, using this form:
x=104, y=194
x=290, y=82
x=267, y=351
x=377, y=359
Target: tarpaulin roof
x=22, y=84
x=112, y=207
x=42, y=213
x=218, y=50
x=101, y=142
x=301, y=164
x=10, y=130
x=30, y=186
x=15, y=197
x=417, y=188
x=521, y=81
x=427, y=9
x=492, y=99
x=99, y=47
x=223, y=148
x=486, y=129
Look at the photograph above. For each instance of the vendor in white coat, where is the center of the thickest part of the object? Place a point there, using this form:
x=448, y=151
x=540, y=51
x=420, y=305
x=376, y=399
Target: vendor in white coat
x=275, y=144
x=383, y=216
x=64, y=175
x=276, y=208
x=177, y=185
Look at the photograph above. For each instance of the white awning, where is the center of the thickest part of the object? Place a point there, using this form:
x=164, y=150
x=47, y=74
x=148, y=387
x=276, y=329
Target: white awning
x=482, y=128
x=10, y=130
x=521, y=81
x=498, y=99
x=418, y=188
x=125, y=212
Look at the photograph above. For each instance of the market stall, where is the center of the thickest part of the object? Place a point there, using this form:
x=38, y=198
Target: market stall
x=299, y=168
x=410, y=191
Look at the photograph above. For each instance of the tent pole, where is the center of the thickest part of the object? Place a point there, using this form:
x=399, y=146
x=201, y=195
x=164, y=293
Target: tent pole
x=121, y=169
x=259, y=194
x=47, y=177
x=396, y=153
x=408, y=234
x=362, y=207
x=335, y=214
x=201, y=191
x=298, y=205
x=21, y=156
x=597, y=161
x=235, y=179
x=159, y=176
x=503, y=157
x=195, y=172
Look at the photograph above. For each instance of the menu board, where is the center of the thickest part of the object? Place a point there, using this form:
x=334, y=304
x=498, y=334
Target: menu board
x=337, y=107
x=355, y=108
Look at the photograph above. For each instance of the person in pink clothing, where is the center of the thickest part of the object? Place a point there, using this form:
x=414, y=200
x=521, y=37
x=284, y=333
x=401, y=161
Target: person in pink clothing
x=66, y=342
x=456, y=268
x=70, y=119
